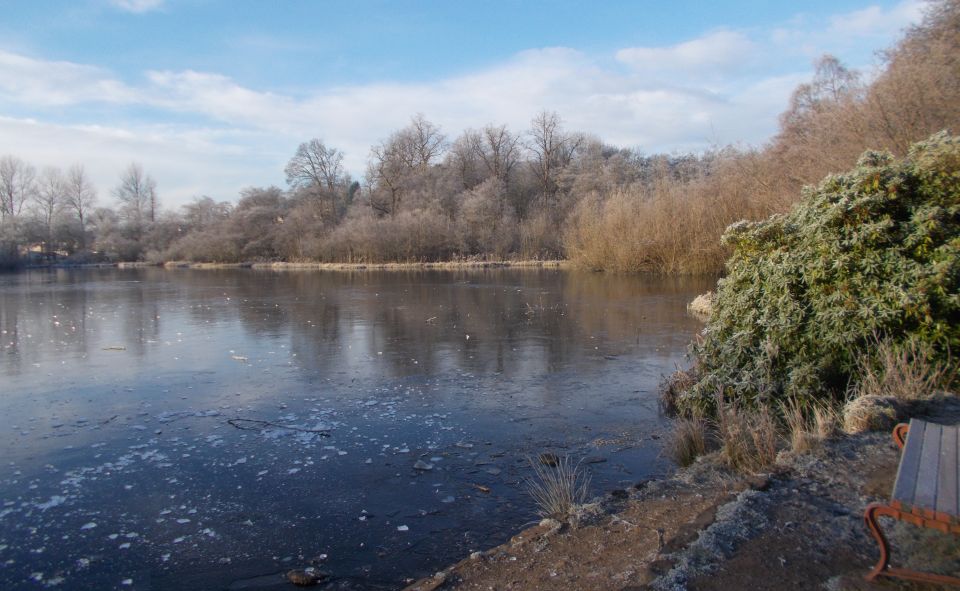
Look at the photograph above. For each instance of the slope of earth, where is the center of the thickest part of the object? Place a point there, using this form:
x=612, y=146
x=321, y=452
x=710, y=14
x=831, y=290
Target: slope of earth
x=799, y=527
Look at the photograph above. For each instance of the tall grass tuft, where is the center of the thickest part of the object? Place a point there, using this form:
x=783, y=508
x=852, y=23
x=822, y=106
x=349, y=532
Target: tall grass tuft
x=748, y=438
x=687, y=440
x=557, y=490
x=799, y=433
x=807, y=426
x=672, y=388
x=904, y=371
x=827, y=419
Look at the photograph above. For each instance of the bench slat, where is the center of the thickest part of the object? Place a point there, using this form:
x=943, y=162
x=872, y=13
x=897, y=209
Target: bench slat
x=947, y=502
x=905, y=485
x=925, y=496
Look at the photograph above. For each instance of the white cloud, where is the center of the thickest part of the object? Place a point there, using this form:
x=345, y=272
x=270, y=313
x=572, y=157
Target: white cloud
x=51, y=83
x=138, y=6
x=725, y=86
x=719, y=51
x=618, y=108
x=186, y=162
x=874, y=20
x=872, y=26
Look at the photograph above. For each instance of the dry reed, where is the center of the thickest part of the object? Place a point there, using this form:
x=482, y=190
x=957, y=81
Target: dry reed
x=558, y=489
x=904, y=371
x=673, y=386
x=807, y=427
x=687, y=440
x=748, y=438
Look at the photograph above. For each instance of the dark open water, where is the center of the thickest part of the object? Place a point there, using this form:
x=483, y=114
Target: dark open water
x=119, y=468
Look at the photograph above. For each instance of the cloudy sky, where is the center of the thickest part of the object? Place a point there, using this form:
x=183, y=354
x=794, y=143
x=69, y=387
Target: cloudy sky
x=212, y=96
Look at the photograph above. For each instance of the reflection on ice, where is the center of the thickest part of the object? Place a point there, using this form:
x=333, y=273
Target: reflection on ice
x=216, y=424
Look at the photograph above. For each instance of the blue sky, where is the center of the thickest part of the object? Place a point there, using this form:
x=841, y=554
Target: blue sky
x=213, y=96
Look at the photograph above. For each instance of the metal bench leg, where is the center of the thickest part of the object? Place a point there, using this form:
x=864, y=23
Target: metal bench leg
x=870, y=515
x=883, y=568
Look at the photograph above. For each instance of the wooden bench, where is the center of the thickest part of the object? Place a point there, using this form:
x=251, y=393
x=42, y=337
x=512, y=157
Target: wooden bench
x=926, y=492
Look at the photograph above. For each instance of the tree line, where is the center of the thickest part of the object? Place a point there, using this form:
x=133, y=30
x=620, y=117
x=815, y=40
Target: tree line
x=541, y=193
x=489, y=193
x=54, y=213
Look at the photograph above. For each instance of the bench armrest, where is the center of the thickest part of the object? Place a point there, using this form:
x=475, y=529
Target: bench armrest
x=900, y=434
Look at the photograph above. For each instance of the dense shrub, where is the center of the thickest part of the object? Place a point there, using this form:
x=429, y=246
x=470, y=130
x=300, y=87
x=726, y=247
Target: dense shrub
x=409, y=236
x=9, y=251
x=634, y=229
x=874, y=253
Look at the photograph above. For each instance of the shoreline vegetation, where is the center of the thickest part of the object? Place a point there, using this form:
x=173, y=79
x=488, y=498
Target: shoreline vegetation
x=305, y=266
x=494, y=193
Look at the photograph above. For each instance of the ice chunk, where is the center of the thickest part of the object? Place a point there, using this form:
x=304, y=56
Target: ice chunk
x=54, y=501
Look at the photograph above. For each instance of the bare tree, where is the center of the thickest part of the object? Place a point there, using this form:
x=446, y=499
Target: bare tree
x=420, y=144
x=552, y=150
x=49, y=200
x=823, y=129
x=498, y=149
x=916, y=95
x=17, y=186
x=384, y=173
x=137, y=193
x=406, y=152
x=318, y=170
x=80, y=196
x=832, y=83
x=463, y=160
x=203, y=212
x=315, y=164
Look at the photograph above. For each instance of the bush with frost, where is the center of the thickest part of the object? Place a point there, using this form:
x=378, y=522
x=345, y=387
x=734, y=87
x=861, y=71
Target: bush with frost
x=873, y=253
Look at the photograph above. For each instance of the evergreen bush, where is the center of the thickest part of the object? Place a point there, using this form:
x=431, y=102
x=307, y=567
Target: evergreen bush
x=873, y=253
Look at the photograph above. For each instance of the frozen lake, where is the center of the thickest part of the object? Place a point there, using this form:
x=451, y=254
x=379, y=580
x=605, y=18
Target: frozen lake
x=200, y=429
